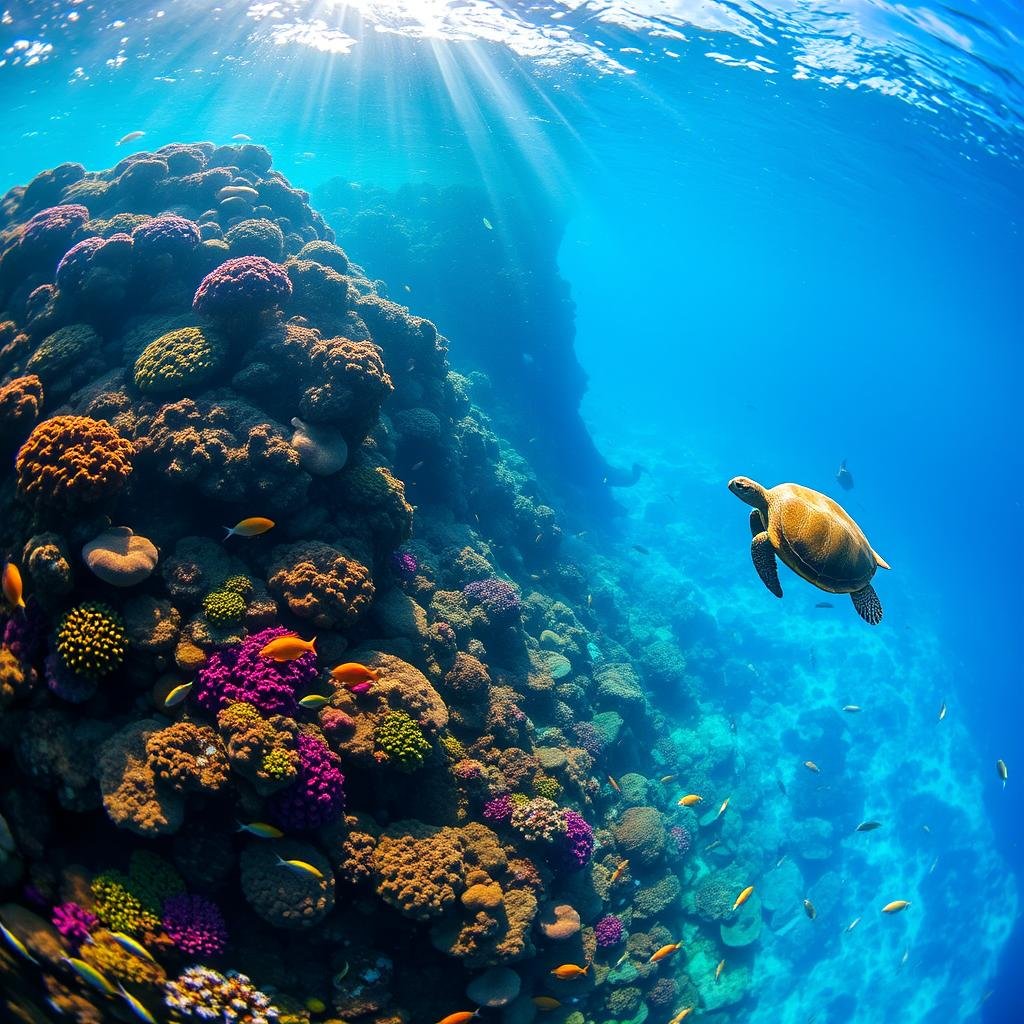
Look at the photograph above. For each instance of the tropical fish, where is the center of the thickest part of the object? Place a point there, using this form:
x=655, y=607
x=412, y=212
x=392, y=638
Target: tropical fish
x=90, y=975
x=617, y=873
x=354, y=672
x=719, y=969
x=811, y=766
x=868, y=826
x=935, y=864
x=360, y=688
x=590, y=600
x=926, y=828
x=824, y=604
x=853, y=924
x=665, y=951
x=844, y=477
x=545, y=1002
x=614, y=784
x=640, y=549
x=16, y=944
x=313, y=701
x=251, y=527
x=721, y=810
x=488, y=224
x=461, y=1017
x=299, y=867
x=1001, y=769
x=781, y=785
x=177, y=695
x=681, y=1015
x=261, y=829
x=567, y=971
x=852, y=709
x=130, y=945
x=667, y=778
x=690, y=799
x=240, y=137
x=743, y=897
x=622, y=959
x=12, y=586
x=135, y=1006
x=942, y=711
x=905, y=958
x=417, y=465
x=713, y=845
x=130, y=137
x=809, y=909
x=895, y=907
x=287, y=648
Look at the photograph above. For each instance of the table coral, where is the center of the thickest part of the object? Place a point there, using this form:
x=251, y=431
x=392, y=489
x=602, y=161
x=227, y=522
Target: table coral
x=320, y=583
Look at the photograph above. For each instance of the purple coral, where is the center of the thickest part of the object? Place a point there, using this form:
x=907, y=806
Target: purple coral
x=239, y=673
x=608, y=932
x=590, y=738
x=681, y=836
x=74, y=922
x=176, y=237
x=579, y=839
x=246, y=286
x=53, y=231
x=24, y=633
x=404, y=564
x=499, y=809
x=316, y=797
x=195, y=925
x=499, y=599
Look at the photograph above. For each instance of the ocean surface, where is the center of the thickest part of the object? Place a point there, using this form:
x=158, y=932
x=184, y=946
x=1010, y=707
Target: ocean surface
x=669, y=243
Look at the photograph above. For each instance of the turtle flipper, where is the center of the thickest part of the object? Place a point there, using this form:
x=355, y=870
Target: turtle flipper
x=763, y=554
x=757, y=523
x=869, y=608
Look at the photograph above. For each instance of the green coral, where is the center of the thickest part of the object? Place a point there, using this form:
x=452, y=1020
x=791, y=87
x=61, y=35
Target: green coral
x=238, y=716
x=279, y=764
x=401, y=740
x=238, y=585
x=224, y=607
x=546, y=786
x=453, y=748
x=178, y=361
x=59, y=352
x=91, y=640
x=120, y=908
x=153, y=878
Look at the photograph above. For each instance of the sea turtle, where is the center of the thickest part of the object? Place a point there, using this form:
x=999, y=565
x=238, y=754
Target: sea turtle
x=815, y=537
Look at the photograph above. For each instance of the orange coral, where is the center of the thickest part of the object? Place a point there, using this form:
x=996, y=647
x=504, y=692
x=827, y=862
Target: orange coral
x=187, y=756
x=20, y=403
x=72, y=460
x=261, y=749
x=320, y=583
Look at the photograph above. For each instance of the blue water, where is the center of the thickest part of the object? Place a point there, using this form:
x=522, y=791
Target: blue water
x=792, y=234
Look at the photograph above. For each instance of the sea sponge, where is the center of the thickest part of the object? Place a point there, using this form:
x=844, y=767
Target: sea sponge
x=640, y=834
x=283, y=897
x=256, y=237
x=322, y=449
x=316, y=796
x=187, y=756
x=91, y=640
x=401, y=741
x=120, y=557
x=242, y=288
x=224, y=607
x=70, y=461
x=178, y=362
x=320, y=583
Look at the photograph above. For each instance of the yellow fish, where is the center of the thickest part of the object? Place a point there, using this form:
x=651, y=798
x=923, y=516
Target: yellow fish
x=354, y=672
x=942, y=711
x=1001, y=769
x=567, y=971
x=288, y=648
x=681, y=1015
x=261, y=829
x=721, y=810
x=545, y=1002
x=461, y=1017
x=130, y=945
x=719, y=969
x=743, y=897
x=12, y=586
x=300, y=867
x=665, y=951
x=177, y=695
x=811, y=766
x=809, y=909
x=251, y=527
x=90, y=975
x=135, y=1006
x=16, y=944
x=667, y=778
x=313, y=701
x=690, y=799
x=895, y=907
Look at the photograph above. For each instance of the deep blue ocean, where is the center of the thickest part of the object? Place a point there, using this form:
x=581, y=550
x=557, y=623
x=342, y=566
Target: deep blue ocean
x=791, y=233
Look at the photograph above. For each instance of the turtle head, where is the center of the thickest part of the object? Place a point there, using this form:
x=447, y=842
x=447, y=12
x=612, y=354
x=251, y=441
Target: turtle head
x=749, y=491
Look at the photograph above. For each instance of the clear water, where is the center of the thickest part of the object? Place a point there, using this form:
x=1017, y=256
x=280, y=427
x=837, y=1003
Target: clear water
x=792, y=234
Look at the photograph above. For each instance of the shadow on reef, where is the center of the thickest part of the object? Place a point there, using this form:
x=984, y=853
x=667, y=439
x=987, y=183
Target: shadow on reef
x=487, y=267
x=434, y=822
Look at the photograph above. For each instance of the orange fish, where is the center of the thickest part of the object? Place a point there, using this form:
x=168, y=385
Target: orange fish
x=895, y=907
x=617, y=873
x=811, y=766
x=461, y=1017
x=12, y=586
x=719, y=969
x=567, y=971
x=664, y=952
x=251, y=527
x=743, y=897
x=690, y=799
x=545, y=1002
x=287, y=648
x=354, y=672
x=614, y=785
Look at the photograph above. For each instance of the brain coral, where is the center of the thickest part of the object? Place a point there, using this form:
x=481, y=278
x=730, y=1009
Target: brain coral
x=69, y=461
x=320, y=583
x=178, y=362
x=283, y=897
x=91, y=640
x=242, y=287
x=21, y=401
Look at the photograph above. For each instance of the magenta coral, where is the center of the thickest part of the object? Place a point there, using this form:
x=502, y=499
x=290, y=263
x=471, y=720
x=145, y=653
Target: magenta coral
x=172, y=236
x=404, y=565
x=51, y=232
x=65, y=684
x=195, y=925
x=239, y=673
x=316, y=797
x=499, y=809
x=245, y=286
x=499, y=599
x=608, y=932
x=590, y=738
x=74, y=922
x=579, y=839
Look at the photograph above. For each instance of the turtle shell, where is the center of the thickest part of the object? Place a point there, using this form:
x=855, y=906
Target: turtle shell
x=818, y=540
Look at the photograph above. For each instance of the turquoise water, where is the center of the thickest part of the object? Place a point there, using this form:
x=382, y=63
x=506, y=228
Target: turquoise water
x=708, y=240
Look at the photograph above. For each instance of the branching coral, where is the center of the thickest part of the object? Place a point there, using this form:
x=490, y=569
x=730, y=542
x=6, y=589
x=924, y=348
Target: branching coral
x=316, y=796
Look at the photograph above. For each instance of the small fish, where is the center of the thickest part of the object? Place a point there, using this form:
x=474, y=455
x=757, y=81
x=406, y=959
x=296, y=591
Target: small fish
x=538, y=538
x=130, y=137
x=261, y=829
x=300, y=867
x=12, y=586
x=340, y=976
x=743, y=897
x=567, y=971
x=241, y=137
x=614, y=785
x=895, y=907
x=853, y=924
x=665, y=951
x=719, y=969
x=681, y=1015
x=844, y=477
x=90, y=975
x=353, y=672
x=852, y=709
x=640, y=549
x=935, y=864
x=287, y=648
x=581, y=534
x=809, y=909
x=942, y=711
x=360, y=688
x=177, y=695
x=488, y=224
x=408, y=288
x=617, y=873
x=622, y=959
x=824, y=604
x=313, y=701
x=545, y=1002
x=868, y=826
x=811, y=766
x=690, y=799
x=780, y=861
x=721, y=810
x=781, y=785
x=461, y=1017
x=416, y=466
x=135, y=1006
x=712, y=846
x=1001, y=770
x=926, y=828
x=904, y=958
x=130, y=945
x=667, y=778
x=16, y=944
x=251, y=527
